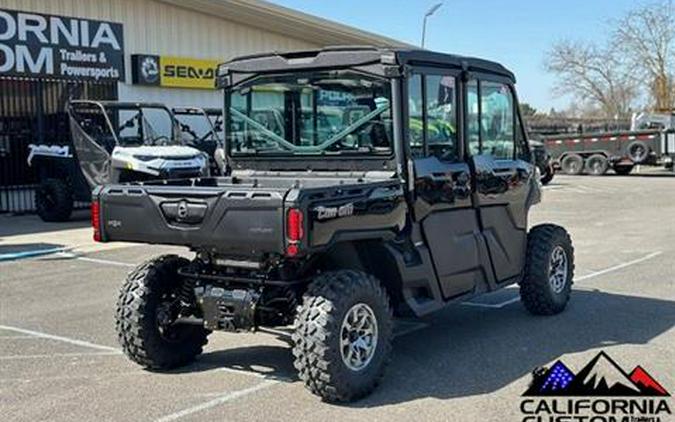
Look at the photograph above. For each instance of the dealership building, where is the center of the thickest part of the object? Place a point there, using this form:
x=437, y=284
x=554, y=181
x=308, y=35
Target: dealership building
x=161, y=51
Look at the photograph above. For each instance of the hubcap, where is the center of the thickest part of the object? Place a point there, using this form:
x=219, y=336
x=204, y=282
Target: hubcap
x=358, y=337
x=558, y=267
x=166, y=313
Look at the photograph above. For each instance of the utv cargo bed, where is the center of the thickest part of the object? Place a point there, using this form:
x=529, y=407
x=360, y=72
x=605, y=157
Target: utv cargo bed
x=229, y=216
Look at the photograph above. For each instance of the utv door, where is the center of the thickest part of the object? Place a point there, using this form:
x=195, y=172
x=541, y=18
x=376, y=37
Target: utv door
x=90, y=132
x=442, y=191
x=504, y=177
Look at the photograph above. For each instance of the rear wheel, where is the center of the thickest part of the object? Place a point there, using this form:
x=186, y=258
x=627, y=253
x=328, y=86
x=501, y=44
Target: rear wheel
x=549, y=270
x=623, y=169
x=597, y=165
x=572, y=164
x=148, y=305
x=343, y=333
x=54, y=200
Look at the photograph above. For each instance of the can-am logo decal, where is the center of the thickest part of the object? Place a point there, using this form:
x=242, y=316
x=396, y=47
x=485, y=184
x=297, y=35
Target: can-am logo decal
x=327, y=213
x=600, y=392
x=176, y=72
x=33, y=44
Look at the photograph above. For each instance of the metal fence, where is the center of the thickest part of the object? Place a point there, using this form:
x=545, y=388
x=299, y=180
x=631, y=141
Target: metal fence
x=33, y=111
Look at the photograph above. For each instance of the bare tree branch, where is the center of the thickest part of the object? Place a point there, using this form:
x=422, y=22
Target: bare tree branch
x=646, y=35
x=594, y=76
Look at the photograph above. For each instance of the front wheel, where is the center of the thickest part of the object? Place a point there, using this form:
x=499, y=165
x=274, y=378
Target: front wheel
x=343, y=333
x=549, y=270
x=54, y=200
x=148, y=305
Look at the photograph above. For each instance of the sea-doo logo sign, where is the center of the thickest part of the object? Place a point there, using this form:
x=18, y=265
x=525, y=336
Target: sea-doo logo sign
x=177, y=72
x=61, y=47
x=600, y=392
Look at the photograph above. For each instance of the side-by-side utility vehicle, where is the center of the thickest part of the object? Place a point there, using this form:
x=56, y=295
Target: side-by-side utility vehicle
x=380, y=183
x=112, y=142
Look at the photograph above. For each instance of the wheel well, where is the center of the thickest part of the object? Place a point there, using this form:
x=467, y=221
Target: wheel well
x=370, y=256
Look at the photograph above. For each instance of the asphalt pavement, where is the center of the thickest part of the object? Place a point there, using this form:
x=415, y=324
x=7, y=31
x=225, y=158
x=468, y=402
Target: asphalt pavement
x=60, y=361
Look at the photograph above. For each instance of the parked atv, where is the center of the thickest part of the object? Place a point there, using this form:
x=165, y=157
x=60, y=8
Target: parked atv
x=113, y=142
x=336, y=232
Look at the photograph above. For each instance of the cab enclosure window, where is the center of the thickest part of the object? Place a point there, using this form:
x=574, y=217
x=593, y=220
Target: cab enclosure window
x=493, y=126
x=432, y=112
x=334, y=113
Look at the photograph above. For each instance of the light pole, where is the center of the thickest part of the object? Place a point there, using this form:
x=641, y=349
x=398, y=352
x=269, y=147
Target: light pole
x=430, y=12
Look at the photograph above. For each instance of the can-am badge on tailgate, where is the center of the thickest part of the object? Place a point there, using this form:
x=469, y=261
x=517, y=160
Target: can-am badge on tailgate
x=327, y=213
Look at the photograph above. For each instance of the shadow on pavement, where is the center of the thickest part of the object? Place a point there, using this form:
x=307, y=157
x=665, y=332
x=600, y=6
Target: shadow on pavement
x=31, y=224
x=469, y=351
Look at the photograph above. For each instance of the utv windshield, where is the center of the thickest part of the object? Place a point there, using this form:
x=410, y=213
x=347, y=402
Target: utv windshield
x=143, y=126
x=111, y=124
x=319, y=113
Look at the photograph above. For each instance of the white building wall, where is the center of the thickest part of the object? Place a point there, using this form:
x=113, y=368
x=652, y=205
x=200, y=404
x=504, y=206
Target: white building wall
x=152, y=27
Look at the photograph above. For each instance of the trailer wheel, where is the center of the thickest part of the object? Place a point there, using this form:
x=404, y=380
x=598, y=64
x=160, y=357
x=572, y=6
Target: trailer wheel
x=638, y=152
x=572, y=164
x=597, y=165
x=623, y=169
x=343, y=333
x=54, y=200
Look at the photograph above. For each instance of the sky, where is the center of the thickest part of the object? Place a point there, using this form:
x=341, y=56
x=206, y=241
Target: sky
x=515, y=33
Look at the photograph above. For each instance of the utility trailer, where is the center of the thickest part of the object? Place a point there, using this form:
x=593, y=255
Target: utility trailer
x=596, y=153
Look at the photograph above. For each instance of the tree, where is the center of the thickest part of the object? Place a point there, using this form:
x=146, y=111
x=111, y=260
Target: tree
x=527, y=110
x=593, y=75
x=647, y=36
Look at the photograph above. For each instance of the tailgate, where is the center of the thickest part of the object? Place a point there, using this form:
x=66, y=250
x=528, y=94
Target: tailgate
x=241, y=221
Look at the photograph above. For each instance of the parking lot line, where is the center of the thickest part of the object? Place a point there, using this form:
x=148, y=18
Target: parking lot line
x=97, y=261
x=493, y=305
x=218, y=401
x=60, y=338
x=620, y=266
x=585, y=277
x=59, y=355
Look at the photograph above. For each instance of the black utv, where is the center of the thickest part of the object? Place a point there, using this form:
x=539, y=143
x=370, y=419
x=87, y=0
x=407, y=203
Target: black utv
x=379, y=183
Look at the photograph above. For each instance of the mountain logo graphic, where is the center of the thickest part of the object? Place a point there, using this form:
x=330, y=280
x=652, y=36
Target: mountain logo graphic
x=601, y=377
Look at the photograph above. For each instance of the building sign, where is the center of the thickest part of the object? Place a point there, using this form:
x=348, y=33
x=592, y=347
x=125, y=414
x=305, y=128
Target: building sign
x=173, y=72
x=36, y=45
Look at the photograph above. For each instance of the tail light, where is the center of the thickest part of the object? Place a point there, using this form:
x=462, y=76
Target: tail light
x=96, y=220
x=294, y=231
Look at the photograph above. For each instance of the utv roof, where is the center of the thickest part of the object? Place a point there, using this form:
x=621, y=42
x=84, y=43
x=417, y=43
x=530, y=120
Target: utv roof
x=352, y=56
